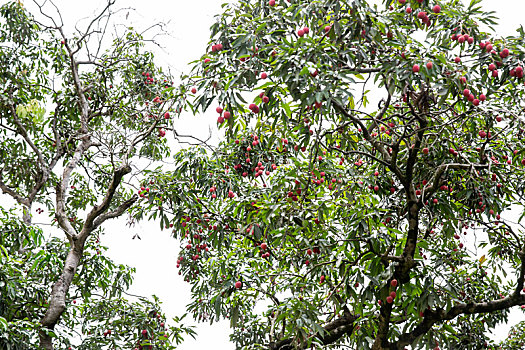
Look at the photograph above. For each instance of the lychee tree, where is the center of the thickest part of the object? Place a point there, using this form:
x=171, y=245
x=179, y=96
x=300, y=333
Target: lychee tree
x=80, y=115
x=514, y=339
x=100, y=313
x=323, y=219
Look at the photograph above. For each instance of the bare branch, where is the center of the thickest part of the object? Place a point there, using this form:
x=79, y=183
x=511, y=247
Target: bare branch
x=98, y=210
x=63, y=184
x=86, y=33
x=115, y=213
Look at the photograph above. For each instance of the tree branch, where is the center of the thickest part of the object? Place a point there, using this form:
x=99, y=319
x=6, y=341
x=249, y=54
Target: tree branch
x=377, y=145
x=115, y=213
x=6, y=190
x=428, y=191
x=432, y=317
x=333, y=331
x=98, y=210
x=24, y=134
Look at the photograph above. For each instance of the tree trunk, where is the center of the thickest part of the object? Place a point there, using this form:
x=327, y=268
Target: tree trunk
x=57, y=300
x=26, y=215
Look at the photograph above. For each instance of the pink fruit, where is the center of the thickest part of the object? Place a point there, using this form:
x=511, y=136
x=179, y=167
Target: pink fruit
x=415, y=68
x=264, y=75
x=389, y=299
x=300, y=32
x=219, y=110
x=227, y=115
x=393, y=283
x=193, y=90
x=271, y=2
x=457, y=59
x=429, y=65
x=436, y=9
x=238, y=284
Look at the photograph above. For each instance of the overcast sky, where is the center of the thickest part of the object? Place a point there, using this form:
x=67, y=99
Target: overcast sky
x=155, y=254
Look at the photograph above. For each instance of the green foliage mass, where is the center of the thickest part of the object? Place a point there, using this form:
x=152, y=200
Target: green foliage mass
x=317, y=199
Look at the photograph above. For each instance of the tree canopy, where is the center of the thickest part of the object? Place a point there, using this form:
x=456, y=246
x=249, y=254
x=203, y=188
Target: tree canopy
x=366, y=193
x=323, y=220
x=76, y=117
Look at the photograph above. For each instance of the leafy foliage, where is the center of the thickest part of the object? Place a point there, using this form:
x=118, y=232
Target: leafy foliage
x=97, y=302
x=72, y=122
x=514, y=339
x=321, y=220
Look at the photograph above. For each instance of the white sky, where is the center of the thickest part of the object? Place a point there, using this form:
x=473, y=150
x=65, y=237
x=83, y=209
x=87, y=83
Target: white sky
x=154, y=256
